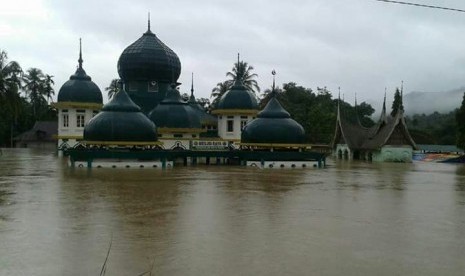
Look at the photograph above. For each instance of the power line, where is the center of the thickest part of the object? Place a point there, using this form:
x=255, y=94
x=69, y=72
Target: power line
x=421, y=5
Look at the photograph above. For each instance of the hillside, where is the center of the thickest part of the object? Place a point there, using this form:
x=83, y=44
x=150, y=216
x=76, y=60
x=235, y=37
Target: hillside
x=428, y=102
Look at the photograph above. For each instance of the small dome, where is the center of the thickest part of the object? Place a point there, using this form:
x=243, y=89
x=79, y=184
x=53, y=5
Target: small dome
x=205, y=118
x=273, y=125
x=120, y=120
x=238, y=97
x=149, y=59
x=173, y=112
x=80, y=87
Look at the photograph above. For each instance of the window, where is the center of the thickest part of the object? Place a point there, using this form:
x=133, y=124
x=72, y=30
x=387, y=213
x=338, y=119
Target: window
x=230, y=126
x=243, y=123
x=65, y=120
x=80, y=120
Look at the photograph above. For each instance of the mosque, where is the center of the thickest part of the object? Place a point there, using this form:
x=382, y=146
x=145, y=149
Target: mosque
x=148, y=124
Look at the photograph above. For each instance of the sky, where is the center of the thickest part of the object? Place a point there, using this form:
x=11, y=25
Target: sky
x=361, y=46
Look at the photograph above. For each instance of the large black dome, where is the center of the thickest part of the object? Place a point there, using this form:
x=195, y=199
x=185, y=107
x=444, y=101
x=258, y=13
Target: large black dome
x=80, y=87
x=173, y=112
x=149, y=59
x=273, y=125
x=120, y=120
x=238, y=97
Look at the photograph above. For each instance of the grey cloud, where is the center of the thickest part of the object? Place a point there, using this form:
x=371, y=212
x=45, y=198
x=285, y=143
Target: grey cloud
x=360, y=45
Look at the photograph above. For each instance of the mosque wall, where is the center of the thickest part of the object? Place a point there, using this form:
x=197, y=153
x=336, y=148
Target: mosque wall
x=230, y=126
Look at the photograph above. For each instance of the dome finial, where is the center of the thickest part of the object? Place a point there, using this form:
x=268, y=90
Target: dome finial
x=273, y=91
x=192, y=85
x=148, y=22
x=80, y=54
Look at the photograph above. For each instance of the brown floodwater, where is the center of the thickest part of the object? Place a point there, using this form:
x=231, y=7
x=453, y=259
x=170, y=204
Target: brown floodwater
x=347, y=219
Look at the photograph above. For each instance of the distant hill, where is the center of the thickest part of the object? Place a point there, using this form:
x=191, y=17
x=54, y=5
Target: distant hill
x=428, y=102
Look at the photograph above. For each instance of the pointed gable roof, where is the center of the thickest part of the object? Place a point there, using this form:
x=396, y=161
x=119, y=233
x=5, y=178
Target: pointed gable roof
x=357, y=136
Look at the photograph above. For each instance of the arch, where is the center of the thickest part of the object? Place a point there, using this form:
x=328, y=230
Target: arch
x=178, y=146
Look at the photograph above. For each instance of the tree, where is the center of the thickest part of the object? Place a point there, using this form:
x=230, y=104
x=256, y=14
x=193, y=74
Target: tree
x=460, y=124
x=113, y=88
x=243, y=71
x=204, y=102
x=397, y=103
x=10, y=99
x=10, y=75
x=48, y=90
x=219, y=90
x=34, y=88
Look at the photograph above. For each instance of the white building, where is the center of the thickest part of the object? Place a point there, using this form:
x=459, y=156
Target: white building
x=235, y=109
x=79, y=99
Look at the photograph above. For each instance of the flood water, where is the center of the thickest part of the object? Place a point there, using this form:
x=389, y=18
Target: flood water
x=347, y=219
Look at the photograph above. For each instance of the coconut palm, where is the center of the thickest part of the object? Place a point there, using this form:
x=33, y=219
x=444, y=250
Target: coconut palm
x=10, y=73
x=243, y=71
x=47, y=89
x=10, y=99
x=113, y=88
x=10, y=82
x=34, y=88
x=219, y=90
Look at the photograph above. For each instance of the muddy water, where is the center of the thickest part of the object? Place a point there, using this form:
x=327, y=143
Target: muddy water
x=346, y=219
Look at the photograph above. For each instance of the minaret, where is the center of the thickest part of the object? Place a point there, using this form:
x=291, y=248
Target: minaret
x=192, y=97
x=80, y=54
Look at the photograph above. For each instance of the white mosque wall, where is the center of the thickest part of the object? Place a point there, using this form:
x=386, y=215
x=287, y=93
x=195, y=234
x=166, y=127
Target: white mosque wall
x=283, y=164
x=123, y=164
x=238, y=122
x=73, y=126
x=175, y=144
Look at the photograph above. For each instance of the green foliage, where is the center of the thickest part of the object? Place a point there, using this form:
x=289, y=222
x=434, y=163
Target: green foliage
x=219, y=90
x=113, y=88
x=19, y=113
x=242, y=71
x=316, y=112
x=397, y=103
x=435, y=128
x=460, y=124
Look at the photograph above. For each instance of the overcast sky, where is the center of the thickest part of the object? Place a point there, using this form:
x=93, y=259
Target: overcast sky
x=362, y=46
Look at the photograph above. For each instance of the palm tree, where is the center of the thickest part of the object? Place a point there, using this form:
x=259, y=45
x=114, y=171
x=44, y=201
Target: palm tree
x=113, y=88
x=47, y=89
x=219, y=90
x=33, y=86
x=243, y=71
x=10, y=82
x=10, y=73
